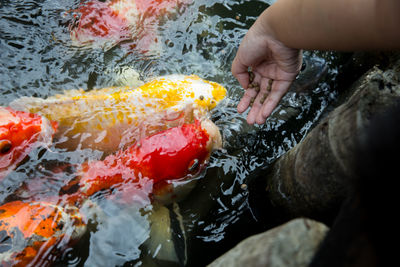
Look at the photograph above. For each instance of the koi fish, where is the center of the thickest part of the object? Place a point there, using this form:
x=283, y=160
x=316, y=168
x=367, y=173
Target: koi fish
x=100, y=23
x=32, y=233
x=172, y=154
x=113, y=118
x=20, y=132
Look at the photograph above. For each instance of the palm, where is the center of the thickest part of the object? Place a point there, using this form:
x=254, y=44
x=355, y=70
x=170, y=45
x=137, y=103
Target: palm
x=269, y=60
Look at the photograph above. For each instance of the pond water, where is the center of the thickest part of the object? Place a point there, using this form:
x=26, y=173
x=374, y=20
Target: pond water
x=38, y=59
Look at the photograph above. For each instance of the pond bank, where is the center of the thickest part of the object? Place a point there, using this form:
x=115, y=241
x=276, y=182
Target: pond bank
x=315, y=177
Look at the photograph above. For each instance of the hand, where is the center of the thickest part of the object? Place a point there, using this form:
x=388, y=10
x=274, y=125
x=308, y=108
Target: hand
x=273, y=68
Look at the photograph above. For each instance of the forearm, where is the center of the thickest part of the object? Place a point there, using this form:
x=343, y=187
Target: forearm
x=333, y=24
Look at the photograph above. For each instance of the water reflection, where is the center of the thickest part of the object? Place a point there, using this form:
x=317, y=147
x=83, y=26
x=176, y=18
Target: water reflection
x=38, y=59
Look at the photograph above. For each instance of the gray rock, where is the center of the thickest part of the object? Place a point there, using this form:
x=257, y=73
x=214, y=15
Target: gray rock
x=312, y=179
x=291, y=244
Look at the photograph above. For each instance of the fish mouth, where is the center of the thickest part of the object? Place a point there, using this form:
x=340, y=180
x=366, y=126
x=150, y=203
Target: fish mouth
x=214, y=133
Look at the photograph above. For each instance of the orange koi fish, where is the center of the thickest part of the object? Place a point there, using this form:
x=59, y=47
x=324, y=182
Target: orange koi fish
x=110, y=119
x=109, y=22
x=20, y=132
x=32, y=234
x=176, y=153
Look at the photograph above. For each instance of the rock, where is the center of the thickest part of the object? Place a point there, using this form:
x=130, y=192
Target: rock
x=291, y=244
x=312, y=179
x=365, y=228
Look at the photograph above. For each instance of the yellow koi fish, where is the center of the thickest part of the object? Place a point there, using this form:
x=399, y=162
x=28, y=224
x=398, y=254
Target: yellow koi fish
x=111, y=118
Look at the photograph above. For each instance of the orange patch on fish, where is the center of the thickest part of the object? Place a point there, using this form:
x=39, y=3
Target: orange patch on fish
x=35, y=229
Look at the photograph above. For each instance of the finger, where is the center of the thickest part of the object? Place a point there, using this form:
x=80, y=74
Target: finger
x=240, y=72
x=279, y=89
x=247, y=99
x=258, y=102
x=250, y=93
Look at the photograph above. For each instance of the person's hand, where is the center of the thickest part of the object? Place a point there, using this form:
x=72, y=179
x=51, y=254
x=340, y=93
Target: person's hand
x=273, y=68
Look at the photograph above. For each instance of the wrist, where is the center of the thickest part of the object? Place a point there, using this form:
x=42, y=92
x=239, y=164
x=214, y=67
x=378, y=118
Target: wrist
x=263, y=26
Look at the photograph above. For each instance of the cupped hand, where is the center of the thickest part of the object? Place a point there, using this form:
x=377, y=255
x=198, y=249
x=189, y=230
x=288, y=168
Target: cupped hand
x=273, y=67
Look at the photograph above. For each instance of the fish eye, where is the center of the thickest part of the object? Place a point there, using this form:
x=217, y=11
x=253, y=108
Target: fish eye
x=5, y=146
x=194, y=165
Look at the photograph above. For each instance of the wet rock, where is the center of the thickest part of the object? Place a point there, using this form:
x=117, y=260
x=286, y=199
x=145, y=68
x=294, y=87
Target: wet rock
x=312, y=179
x=291, y=244
x=363, y=232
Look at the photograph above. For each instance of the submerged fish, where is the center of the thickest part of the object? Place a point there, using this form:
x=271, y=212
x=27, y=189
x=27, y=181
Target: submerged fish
x=32, y=234
x=101, y=23
x=112, y=118
x=20, y=132
x=176, y=153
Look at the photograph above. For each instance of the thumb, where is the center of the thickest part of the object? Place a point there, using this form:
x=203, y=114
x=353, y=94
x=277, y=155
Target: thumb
x=240, y=72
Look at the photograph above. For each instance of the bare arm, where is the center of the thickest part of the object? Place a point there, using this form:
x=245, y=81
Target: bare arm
x=334, y=24
x=272, y=45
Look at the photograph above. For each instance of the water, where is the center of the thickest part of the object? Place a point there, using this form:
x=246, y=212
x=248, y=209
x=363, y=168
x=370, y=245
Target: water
x=38, y=59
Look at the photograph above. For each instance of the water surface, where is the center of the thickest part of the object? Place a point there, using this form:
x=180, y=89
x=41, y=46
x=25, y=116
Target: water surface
x=38, y=59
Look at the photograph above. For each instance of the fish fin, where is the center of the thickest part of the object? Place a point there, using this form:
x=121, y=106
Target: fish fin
x=161, y=244
x=167, y=242
x=26, y=103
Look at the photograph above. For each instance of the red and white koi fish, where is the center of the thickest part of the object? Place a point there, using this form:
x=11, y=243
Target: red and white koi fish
x=20, y=132
x=32, y=234
x=176, y=153
x=102, y=23
x=110, y=119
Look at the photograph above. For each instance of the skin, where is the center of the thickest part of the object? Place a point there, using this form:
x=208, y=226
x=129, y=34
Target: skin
x=272, y=47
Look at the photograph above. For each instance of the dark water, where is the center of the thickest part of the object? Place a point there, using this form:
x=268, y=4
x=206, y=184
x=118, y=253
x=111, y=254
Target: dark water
x=38, y=59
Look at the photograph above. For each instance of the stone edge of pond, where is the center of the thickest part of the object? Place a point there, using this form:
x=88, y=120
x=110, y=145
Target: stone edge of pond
x=291, y=244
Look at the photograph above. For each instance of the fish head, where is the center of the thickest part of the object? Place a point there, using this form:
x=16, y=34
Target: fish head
x=180, y=91
x=29, y=231
x=177, y=152
x=188, y=164
x=176, y=164
x=19, y=132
